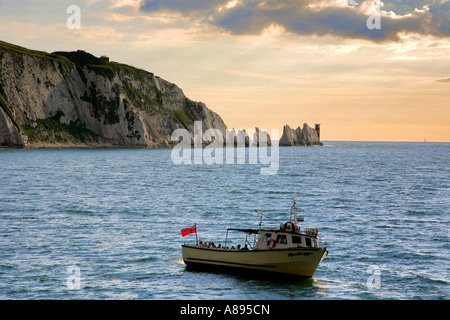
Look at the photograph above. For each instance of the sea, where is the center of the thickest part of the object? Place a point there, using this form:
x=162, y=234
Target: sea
x=105, y=224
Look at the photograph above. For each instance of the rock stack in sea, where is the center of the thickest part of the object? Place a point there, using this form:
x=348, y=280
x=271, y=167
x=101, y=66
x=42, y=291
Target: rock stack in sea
x=305, y=136
x=261, y=138
x=241, y=138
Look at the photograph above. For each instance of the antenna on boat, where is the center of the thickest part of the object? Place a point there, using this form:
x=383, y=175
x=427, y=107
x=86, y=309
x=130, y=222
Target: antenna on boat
x=294, y=210
x=260, y=217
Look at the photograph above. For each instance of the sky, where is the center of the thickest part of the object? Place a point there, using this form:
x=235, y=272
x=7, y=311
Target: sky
x=366, y=70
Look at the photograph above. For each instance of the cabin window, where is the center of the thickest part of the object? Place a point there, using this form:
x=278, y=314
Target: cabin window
x=308, y=242
x=296, y=240
x=281, y=239
x=267, y=237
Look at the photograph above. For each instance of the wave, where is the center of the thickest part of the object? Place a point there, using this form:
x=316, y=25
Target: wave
x=145, y=259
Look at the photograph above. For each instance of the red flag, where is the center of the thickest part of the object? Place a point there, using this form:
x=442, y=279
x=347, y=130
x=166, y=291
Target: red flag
x=185, y=232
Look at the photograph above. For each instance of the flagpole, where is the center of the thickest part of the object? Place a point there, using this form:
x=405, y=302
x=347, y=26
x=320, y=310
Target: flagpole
x=196, y=237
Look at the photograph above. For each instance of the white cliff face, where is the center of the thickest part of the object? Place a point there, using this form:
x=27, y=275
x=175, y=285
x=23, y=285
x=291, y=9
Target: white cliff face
x=305, y=136
x=9, y=134
x=289, y=137
x=309, y=135
x=65, y=99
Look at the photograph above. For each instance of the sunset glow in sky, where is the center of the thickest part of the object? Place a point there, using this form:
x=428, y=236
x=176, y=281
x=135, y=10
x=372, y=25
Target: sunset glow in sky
x=267, y=63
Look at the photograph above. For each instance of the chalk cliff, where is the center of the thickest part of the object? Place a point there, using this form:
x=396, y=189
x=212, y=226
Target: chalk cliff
x=305, y=136
x=75, y=99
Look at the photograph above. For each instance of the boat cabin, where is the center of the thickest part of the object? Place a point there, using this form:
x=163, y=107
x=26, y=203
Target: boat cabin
x=288, y=236
x=281, y=239
x=270, y=239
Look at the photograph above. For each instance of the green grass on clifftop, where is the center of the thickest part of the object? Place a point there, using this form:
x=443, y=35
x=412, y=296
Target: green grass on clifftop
x=36, y=54
x=104, y=68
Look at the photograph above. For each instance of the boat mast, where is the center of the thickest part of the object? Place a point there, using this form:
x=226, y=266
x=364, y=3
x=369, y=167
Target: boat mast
x=294, y=210
x=293, y=213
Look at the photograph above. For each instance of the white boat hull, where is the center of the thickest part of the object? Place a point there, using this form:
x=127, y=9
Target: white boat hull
x=293, y=261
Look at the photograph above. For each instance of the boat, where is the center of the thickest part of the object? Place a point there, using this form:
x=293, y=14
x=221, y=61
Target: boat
x=288, y=250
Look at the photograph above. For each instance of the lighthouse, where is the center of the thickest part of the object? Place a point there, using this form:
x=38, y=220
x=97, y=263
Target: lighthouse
x=318, y=130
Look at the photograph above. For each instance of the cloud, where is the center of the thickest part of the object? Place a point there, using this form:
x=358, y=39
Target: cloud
x=183, y=6
x=314, y=17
